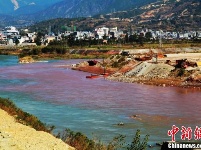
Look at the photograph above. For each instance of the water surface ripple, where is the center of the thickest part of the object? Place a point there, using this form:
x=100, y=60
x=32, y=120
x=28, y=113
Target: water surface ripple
x=66, y=99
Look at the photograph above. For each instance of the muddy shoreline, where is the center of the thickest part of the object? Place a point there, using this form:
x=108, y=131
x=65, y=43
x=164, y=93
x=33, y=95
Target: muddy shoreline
x=149, y=73
x=168, y=82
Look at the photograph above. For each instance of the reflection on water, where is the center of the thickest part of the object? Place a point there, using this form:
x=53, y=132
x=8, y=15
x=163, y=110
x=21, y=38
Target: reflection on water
x=65, y=98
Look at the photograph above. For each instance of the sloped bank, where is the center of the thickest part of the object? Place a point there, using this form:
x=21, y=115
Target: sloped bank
x=160, y=74
x=173, y=70
x=15, y=136
x=22, y=131
x=147, y=73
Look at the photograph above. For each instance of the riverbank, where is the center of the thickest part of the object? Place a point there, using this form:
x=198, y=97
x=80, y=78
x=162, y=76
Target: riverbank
x=178, y=69
x=95, y=106
x=15, y=136
x=140, y=66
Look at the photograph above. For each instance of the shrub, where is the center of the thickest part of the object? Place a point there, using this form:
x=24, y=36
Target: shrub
x=36, y=51
x=77, y=140
x=23, y=117
x=117, y=142
x=137, y=144
x=181, y=72
x=81, y=142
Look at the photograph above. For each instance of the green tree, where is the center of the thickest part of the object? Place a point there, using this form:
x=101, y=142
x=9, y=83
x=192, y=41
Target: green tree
x=133, y=38
x=141, y=39
x=38, y=39
x=71, y=40
x=126, y=38
x=16, y=40
x=137, y=144
x=148, y=36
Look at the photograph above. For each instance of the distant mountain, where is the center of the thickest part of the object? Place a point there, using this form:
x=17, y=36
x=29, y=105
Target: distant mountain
x=86, y=8
x=172, y=14
x=37, y=10
x=169, y=15
x=8, y=20
x=4, y=19
x=166, y=14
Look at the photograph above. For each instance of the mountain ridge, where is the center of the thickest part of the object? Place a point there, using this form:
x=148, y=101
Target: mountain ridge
x=170, y=14
x=83, y=8
x=66, y=8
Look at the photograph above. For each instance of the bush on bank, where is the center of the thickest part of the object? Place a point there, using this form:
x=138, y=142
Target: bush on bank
x=23, y=117
x=81, y=142
x=74, y=139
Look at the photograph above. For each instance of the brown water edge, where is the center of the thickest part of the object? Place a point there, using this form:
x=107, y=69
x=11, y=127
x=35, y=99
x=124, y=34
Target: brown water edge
x=160, y=125
x=95, y=69
x=164, y=82
x=58, y=85
x=170, y=82
x=160, y=120
x=157, y=121
x=157, y=124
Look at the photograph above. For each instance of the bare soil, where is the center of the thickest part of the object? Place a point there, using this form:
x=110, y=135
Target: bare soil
x=160, y=74
x=15, y=136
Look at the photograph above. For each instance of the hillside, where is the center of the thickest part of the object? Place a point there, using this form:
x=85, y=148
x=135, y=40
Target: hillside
x=171, y=15
x=80, y=8
x=37, y=10
x=168, y=16
x=181, y=15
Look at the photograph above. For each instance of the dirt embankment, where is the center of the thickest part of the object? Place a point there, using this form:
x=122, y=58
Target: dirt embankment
x=95, y=69
x=168, y=71
x=15, y=136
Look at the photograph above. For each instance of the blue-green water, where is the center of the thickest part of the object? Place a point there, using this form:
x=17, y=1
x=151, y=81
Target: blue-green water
x=65, y=98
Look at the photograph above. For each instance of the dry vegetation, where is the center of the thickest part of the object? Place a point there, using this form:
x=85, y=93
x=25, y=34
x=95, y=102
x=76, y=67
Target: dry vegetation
x=23, y=117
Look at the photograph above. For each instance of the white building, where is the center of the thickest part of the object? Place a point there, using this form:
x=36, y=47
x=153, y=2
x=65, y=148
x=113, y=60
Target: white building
x=102, y=32
x=10, y=31
x=2, y=36
x=83, y=34
x=113, y=29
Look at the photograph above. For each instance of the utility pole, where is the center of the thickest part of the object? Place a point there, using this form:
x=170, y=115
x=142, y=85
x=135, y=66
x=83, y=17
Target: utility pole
x=160, y=40
x=49, y=30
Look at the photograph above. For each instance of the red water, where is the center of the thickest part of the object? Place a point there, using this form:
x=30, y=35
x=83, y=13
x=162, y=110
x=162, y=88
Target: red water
x=157, y=108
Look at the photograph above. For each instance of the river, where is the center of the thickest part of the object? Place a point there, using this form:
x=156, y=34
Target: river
x=67, y=99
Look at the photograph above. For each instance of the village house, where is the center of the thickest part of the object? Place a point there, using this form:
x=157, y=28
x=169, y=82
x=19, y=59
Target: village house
x=11, y=31
x=49, y=38
x=83, y=35
x=102, y=32
x=10, y=35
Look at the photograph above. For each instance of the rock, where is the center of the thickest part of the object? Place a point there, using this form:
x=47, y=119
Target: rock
x=120, y=124
x=25, y=60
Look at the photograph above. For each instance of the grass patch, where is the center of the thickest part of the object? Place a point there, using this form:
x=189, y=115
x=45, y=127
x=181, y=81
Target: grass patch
x=23, y=117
